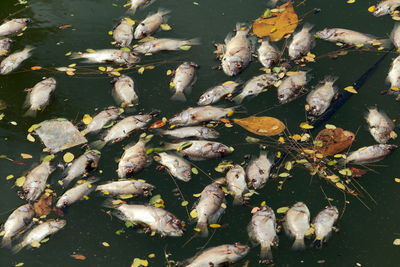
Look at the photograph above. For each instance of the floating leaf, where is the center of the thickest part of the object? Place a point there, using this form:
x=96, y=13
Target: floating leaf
x=252, y=140
x=350, y=89
x=371, y=9
x=215, y=225
x=185, y=47
x=165, y=27
x=102, y=68
x=333, y=141
x=194, y=214
x=282, y=210
x=141, y=70
x=184, y=203
x=36, y=68
x=139, y=262
x=26, y=156
x=340, y=186
x=20, y=181
x=282, y=21
x=195, y=171
x=68, y=157
x=126, y=196
x=130, y=21
x=265, y=126
x=87, y=119
x=105, y=244
x=306, y=126
x=78, y=257
x=19, y=264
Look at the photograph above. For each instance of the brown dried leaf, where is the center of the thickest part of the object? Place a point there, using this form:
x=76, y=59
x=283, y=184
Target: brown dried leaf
x=265, y=126
x=43, y=206
x=78, y=257
x=333, y=141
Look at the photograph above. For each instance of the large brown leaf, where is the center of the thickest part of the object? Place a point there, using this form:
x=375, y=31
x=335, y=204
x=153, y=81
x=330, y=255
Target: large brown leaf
x=265, y=126
x=43, y=206
x=282, y=21
x=333, y=141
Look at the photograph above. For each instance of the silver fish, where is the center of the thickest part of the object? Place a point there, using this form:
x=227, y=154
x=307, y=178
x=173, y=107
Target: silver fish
x=134, y=159
x=81, y=166
x=217, y=256
x=216, y=93
x=302, y=42
x=291, y=86
x=124, y=91
x=191, y=131
x=13, y=26
x=370, y=154
x=395, y=35
x=394, y=74
x=380, y=126
x=39, y=96
x=386, y=7
x=116, y=56
x=237, y=186
x=321, y=97
x=297, y=223
x=267, y=53
x=210, y=207
x=323, y=225
x=350, y=37
x=262, y=230
x=193, y=116
x=123, y=33
x=135, y=4
x=19, y=219
x=255, y=86
x=40, y=232
x=13, y=61
x=36, y=179
x=176, y=165
x=150, y=24
x=5, y=46
x=76, y=193
x=101, y=119
x=164, y=44
x=258, y=170
x=200, y=149
x=185, y=77
x=237, y=51
x=157, y=219
x=126, y=187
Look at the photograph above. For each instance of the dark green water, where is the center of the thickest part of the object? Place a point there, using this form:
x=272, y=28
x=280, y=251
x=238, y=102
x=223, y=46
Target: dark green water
x=366, y=236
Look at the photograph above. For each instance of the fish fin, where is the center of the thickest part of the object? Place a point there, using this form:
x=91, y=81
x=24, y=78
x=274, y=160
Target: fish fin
x=203, y=228
x=30, y=113
x=76, y=56
x=266, y=254
x=17, y=248
x=194, y=41
x=6, y=242
x=330, y=79
x=298, y=244
x=163, y=12
x=215, y=217
x=120, y=215
x=238, y=200
x=98, y=145
x=317, y=243
x=29, y=49
x=228, y=37
x=239, y=98
x=179, y=96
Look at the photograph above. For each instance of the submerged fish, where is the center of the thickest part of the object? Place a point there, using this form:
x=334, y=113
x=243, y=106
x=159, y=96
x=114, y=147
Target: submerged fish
x=350, y=37
x=386, y=7
x=13, y=61
x=200, y=149
x=81, y=166
x=176, y=165
x=193, y=116
x=216, y=93
x=267, y=53
x=123, y=33
x=370, y=154
x=255, y=86
x=237, y=186
x=237, y=52
x=164, y=44
x=19, y=219
x=185, y=77
x=302, y=42
x=394, y=74
x=116, y=56
x=156, y=219
x=321, y=97
x=13, y=26
x=262, y=230
x=291, y=87
x=191, y=131
x=323, y=225
x=380, y=126
x=76, y=193
x=258, y=170
x=126, y=187
x=40, y=232
x=5, y=45
x=134, y=159
x=150, y=24
x=209, y=207
x=297, y=223
x=124, y=91
x=39, y=96
x=217, y=256
x=101, y=119
x=36, y=179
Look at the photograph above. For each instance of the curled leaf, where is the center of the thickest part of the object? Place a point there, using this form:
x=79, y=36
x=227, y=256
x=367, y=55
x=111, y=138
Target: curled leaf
x=265, y=126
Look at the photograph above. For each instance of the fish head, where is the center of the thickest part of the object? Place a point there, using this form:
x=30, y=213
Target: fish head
x=132, y=58
x=147, y=188
x=239, y=249
x=325, y=34
x=332, y=211
x=140, y=31
x=205, y=99
x=210, y=133
x=284, y=96
x=93, y=155
x=391, y=147
x=315, y=110
x=172, y=226
x=23, y=20
x=232, y=65
x=381, y=9
x=180, y=119
x=221, y=149
x=62, y=203
x=57, y=223
x=6, y=41
x=49, y=81
x=301, y=207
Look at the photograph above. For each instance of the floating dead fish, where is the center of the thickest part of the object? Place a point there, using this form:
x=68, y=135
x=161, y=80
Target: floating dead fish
x=185, y=77
x=39, y=96
x=302, y=42
x=164, y=44
x=193, y=116
x=190, y=132
x=134, y=159
x=370, y=154
x=216, y=93
x=267, y=53
x=237, y=186
x=255, y=86
x=123, y=33
x=386, y=7
x=151, y=24
x=14, y=26
x=36, y=179
x=5, y=46
x=200, y=149
x=258, y=170
x=102, y=119
x=76, y=193
x=126, y=187
x=323, y=225
x=176, y=165
x=297, y=223
x=291, y=87
x=351, y=37
x=13, y=61
x=120, y=57
x=380, y=126
x=321, y=97
x=124, y=91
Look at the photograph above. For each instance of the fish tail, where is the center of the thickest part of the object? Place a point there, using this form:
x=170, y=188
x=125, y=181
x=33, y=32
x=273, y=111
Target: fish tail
x=308, y=26
x=29, y=48
x=317, y=243
x=194, y=41
x=30, y=113
x=163, y=11
x=170, y=146
x=6, y=242
x=179, y=96
x=330, y=79
x=239, y=98
x=386, y=43
x=159, y=131
x=237, y=200
x=266, y=254
x=298, y=244
x=17, y=248
x=98, y=145
x=239, y=109
x=203, y=227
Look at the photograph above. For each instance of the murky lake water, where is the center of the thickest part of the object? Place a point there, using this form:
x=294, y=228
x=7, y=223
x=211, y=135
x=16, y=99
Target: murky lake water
x=365, y=236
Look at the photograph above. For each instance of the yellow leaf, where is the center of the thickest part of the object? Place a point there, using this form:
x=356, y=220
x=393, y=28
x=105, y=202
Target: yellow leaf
x=305, y=125
x=87, y=119
x=265, y=126
x=197, y=195
x=351, y=1
x=110, y=32
x=350, y=89
x=184, y=203
x=35, y=244
x=70, y=73
x=223, y=205
x=282, y=210
x=284, y=174
x=141, y=70
x=152, y=255
x=197, y=229
x=330, y=126
x=9, y=177
x=26, y=156
x=20, y=181
x=169, y=72
x=193, y=213
x=171, y=85
x=68, y=53
x=185, y=47
x=165, y=27
x=393, y=135
x=126, y=49
x=296, y=137
x=19, y=264
x=33, y=127
x=130, y=21
x=115, y=73
x=263, y=203
x=215, y=225
x=105, y=244
x=340, y=186
x=89, y=50
x=283, y=20
x=68, y=157
x=125, y=196
x=397, y=180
